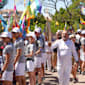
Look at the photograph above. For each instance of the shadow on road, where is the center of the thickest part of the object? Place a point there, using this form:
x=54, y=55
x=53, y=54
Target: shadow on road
x=51, y=80
x=49, y=84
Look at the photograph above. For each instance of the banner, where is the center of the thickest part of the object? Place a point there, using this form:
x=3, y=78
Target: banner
x=0, y=1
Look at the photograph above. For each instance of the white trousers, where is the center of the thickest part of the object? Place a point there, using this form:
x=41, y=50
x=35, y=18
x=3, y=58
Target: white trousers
x=64, y=74
x=48, y=61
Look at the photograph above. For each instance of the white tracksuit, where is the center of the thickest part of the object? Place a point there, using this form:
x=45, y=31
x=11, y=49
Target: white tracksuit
x=65, y=50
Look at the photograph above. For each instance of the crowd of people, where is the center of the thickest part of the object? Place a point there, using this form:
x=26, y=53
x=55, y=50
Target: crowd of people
x=35, y=54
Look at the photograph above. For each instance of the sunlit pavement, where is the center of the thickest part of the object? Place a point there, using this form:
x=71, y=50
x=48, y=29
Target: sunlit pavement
x=52, y=79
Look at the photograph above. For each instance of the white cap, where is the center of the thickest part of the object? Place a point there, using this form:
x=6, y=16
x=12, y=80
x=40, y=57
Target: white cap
x=79, y=30
x=6, y=34
x=16, y=30
x=58, y=31
x=72, y=36
x=38, y=30
x=83, y=32
x=32, y=34
x=27, y=35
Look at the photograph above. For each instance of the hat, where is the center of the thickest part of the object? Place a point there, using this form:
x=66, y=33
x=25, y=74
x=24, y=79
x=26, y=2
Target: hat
x=27, y=35
x=16, y=30
x=79, y=31
x=59, y=31
x=31, y=34
x=72, y=36
x=6, y=34
x=83, y=32
x=37, y=30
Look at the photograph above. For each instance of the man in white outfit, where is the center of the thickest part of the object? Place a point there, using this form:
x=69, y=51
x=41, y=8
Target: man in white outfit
x=65, y=51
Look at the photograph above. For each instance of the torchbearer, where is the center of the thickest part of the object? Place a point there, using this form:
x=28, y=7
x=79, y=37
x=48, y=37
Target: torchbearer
x=65, y=50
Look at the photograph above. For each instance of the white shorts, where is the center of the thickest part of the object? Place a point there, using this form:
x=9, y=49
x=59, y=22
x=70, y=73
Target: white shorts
x=7, y=76
x=82, y=58
x=30, y=67
x=20, y=69
x=43, y=60
x=37, y=62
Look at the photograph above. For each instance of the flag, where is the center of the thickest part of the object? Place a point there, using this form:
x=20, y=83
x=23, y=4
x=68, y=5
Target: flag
x=28, y=26
x=32, y=9
x=23, y=23
x=15, y=9
x=11, y=19
x=27, y=12
x=28, y=30
x=3, y=22
x=36, y=7
x=0, y=1
x=82, y=21
x=6, y=29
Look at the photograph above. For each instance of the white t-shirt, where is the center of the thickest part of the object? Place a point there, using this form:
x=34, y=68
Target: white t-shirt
x=65, y=51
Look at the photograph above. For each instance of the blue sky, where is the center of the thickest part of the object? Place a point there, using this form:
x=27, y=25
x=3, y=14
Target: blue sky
x=20, y=5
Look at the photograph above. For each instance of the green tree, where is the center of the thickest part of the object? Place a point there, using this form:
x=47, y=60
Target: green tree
x=71, y=14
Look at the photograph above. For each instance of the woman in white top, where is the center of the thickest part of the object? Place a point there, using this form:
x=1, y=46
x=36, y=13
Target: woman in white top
x=6, y=74
x=30, y=51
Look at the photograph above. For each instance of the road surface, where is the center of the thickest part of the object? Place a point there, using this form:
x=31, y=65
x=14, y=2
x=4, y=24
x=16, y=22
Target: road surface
x=52, y=79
